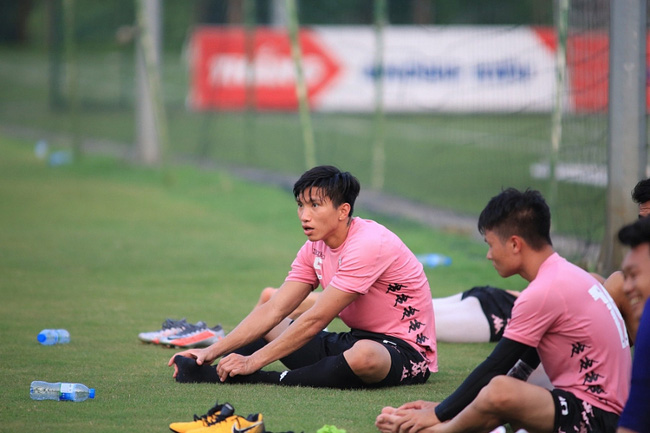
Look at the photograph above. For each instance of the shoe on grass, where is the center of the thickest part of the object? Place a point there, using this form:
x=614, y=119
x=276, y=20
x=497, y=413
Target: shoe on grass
x=198, y=337
x=169, y=327
x=204, y=420
x=253, y=423
x=189, y=329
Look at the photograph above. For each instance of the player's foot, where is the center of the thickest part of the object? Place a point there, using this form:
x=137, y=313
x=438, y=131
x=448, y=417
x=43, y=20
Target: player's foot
x=188, y=371
x=204, y=420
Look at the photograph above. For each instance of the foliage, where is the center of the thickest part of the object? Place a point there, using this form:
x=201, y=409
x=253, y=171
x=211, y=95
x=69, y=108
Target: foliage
x=97, y=21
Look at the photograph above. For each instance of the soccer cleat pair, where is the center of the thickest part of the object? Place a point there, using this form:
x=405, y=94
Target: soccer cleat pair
x=180, y=333
x=198, y=335
x=221, y=419
x=169, y=327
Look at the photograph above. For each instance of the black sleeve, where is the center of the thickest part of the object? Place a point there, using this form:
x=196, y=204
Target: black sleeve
x=504, y=356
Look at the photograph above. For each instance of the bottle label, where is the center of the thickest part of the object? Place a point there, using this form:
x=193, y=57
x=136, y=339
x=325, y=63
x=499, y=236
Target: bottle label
x=67, y=392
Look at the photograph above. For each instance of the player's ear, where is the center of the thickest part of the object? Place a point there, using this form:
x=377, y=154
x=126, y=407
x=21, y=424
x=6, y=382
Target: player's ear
x=515, y=243
x=344, y=211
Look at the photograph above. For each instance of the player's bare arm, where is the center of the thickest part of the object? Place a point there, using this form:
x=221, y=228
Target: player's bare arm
x=258, y=323
x=326, y=308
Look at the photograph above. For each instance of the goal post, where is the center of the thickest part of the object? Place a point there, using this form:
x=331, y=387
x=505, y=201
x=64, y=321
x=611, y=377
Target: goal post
x=627, y=154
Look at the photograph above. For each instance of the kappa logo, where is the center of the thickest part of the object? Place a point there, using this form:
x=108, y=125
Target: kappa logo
x=498, y=324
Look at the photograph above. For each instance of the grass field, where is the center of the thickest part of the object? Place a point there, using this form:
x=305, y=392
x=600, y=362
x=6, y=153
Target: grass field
x=451, y=161
x=107, y=250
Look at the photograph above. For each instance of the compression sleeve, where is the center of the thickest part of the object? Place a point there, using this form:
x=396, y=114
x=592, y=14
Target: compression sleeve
x=504, y=356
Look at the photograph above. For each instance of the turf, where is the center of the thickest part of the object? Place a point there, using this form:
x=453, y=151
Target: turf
x=107, y=250
x=453, y=161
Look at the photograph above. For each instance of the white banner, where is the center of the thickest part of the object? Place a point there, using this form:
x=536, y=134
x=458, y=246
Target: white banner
x=446, y=69
x=441, y=69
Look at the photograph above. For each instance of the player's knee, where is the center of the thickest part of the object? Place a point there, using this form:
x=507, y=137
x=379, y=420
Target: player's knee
x=266, y=294
x=498, y=396
x=368, y=358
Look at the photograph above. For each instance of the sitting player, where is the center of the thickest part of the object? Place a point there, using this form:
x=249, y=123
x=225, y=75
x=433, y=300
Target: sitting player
x=565, y=318
x=370, y=279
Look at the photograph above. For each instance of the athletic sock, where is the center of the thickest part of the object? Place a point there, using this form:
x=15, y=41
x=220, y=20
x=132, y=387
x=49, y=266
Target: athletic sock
x=191, y=372
x=329, y=372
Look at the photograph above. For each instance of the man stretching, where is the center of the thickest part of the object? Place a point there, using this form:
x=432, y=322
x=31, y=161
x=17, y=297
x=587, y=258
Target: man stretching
x=565, y=317
x=370, y=279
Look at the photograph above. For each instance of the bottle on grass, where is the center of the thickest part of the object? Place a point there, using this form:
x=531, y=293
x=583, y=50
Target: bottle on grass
x=48, y=337
x=433, y=260
x=62, y=391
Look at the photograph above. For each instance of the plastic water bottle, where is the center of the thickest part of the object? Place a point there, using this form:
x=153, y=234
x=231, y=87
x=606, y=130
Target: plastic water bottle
x=41, y=149
x=433, y=260
x=61, y=391
x=48, y=337
x=60, y=157
x=521, y=370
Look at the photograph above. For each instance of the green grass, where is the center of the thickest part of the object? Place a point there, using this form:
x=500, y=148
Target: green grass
x=107, y=250
x=451, y=161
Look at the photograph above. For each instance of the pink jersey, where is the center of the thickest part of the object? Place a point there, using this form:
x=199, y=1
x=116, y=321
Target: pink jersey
x=395, y=295
x=578, y=332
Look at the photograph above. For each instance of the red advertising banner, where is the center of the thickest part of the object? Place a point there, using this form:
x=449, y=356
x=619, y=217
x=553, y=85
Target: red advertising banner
x=587, y=57
x=233, y=69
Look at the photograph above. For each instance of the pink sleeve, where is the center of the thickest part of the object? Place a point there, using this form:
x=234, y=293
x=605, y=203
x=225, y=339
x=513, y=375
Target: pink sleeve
x=532, y=315
x=302, y=269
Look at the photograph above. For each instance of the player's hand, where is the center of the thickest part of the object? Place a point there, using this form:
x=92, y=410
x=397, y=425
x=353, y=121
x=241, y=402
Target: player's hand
x=235, y=364
x=198, y=354
x=417, y=416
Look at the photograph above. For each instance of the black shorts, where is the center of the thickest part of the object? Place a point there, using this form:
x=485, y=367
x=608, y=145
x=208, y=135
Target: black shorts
x=408, y=366
x=575, y=415
x=497, y=307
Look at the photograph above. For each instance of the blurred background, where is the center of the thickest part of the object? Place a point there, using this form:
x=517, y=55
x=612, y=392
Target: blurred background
x=443, y=102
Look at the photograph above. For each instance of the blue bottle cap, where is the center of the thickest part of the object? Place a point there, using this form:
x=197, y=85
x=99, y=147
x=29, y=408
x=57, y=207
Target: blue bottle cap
x=41, y=338
x=91, y=393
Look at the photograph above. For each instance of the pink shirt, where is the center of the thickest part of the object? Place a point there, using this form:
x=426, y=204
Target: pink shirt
x=395, y=295
x=578, y=332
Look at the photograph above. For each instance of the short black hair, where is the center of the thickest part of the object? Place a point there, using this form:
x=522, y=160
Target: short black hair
x=636, y=233
x=340, y=187
x=641, y=192
x=524, y=214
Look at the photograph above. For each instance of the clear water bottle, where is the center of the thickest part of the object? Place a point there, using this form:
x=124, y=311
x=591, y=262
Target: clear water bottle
x=521, y=370
x=41, y=149
x=48, y=337
x=433, y=260
x=60, y=157
x=61, y=391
